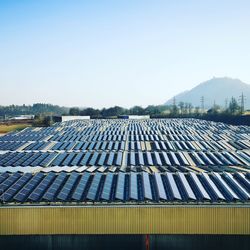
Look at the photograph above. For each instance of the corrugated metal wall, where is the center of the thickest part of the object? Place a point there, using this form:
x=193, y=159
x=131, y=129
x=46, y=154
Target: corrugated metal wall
x=124, y=220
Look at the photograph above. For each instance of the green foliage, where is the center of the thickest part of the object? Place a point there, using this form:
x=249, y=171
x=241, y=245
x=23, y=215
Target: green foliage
x=233, y=108
x=35, y=109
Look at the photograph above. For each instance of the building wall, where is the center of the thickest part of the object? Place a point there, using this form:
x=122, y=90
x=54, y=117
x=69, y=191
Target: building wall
x=70, y=118
x=124, y=220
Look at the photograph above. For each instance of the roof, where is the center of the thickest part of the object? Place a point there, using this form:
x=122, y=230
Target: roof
x=158, y=161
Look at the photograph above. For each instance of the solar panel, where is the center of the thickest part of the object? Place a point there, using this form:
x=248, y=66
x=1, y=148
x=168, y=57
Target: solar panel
x=42, y=187
x=93, y=162
x=166, y=159
x=147, y=186
x=120, y=186
x=132, y=159
x=226, y=188
x=8, y=195
x=81, y=186
x=85, y=159
x=140, y=157
x=67, y=188
x=9, y=181
x=3, y=177
x=187, y=187
x=92, y=193
x=102, y=159
x=133, y=186
x=119, y=159
x=68, y=159
x=160, y=187
x=213, y=186
x=106, y=192
x=50, y=194
x=22, y=195
x=200, y=186
x=236, y=186
x=174, y=189
x=240, y=177
x=157, y=159
x=149, y=159
x=110, y=158
x=77, y=159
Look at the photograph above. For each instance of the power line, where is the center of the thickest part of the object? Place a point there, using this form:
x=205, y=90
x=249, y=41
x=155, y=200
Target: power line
x=202, y=104
x=242, y=99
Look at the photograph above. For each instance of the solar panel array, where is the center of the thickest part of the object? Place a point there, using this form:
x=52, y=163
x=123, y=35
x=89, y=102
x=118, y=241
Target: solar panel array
x=158, y=160
x=125, y=187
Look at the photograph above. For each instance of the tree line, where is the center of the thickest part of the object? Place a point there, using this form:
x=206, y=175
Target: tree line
x=181, y=109
x=35, y=109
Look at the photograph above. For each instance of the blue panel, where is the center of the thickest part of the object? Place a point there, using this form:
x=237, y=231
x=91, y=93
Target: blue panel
x=67, y=188
x=166, y=159
x=9, y=181
x=23, y=194
x=187, y=187
x=132, y=159
x=42, y=187
x=93, y=160
x=160, y=187
x=119, y=159
x=3, y=177
x=149, y=159
x=140, y=158
x=120, y=186
x=157, y=159
x=102, y=159
x=174, y=188
x=200, y=187
x=8, y=195
x=111, y=159
x=80, y=189
x=55, y=186
x=106, y=192
x=92, y=193
x=133, y=186
x=85, y=159
x=147, y=186
x=213, y=186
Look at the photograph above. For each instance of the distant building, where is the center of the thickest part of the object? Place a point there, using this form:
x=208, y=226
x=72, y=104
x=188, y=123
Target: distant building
x=70, y=118
x=23, y=117
x=136, y=117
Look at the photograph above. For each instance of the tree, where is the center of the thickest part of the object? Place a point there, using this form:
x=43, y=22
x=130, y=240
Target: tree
x=233, y=108
x=136, y=110
x=74, y=111
x=181, y=106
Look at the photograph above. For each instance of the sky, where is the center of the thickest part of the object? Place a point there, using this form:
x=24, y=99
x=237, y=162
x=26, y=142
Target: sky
x=103, y=53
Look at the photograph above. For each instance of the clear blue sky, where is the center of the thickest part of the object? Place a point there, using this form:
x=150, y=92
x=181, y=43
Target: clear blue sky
x=104, y=53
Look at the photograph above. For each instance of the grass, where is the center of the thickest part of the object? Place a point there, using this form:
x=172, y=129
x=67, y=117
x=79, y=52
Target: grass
x=5, y=128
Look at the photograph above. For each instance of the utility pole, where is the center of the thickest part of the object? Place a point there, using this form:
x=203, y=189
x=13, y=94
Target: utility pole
x=174, y=102
x=202, y=104
x=242, y=99
x=226, y=104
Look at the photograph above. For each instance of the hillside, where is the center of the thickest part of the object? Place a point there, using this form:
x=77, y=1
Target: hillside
x=215, y=90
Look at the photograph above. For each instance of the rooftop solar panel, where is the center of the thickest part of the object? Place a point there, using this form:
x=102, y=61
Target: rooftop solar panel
x=106, y=192
x=120, y=186
x=22, y=195
x=42, y=187
x=50, y=194
x=147, y=186
x=92, y=193
x=81, y=187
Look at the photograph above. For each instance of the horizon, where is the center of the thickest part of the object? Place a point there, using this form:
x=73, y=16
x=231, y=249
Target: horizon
x=102, y=54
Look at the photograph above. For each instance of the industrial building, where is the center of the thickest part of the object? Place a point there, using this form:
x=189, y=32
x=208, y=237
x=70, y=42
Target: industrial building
x=147, y=176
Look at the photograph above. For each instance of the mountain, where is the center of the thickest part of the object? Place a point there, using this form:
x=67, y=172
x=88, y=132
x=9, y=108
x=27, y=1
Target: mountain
x=215, y=90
